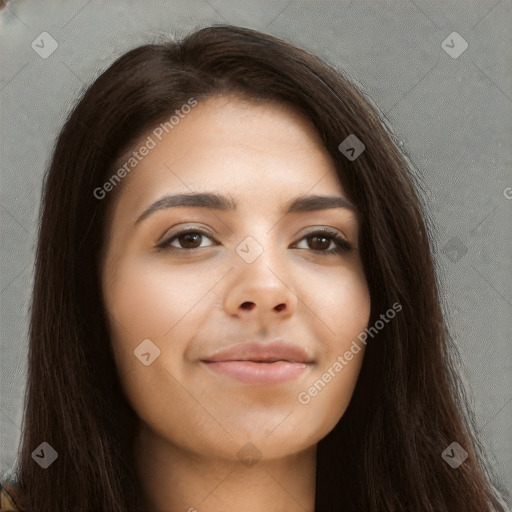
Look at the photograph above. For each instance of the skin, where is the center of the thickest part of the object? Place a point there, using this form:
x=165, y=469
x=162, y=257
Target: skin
x=191, y=302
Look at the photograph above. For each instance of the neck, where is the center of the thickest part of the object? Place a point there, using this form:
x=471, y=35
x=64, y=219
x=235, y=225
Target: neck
x=174, y=480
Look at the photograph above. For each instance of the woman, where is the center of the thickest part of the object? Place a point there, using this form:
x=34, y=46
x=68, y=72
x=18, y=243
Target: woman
x=235, y=304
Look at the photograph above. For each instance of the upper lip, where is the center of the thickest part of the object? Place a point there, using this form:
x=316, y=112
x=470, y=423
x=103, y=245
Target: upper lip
x=261, y=352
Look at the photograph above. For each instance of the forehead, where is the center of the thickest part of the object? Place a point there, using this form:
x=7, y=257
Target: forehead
x=251, y=149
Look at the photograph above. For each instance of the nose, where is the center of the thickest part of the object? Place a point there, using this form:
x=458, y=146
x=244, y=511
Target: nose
x=262, y=289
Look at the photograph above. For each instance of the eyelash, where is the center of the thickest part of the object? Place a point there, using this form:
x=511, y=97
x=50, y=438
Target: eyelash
x=342, y=245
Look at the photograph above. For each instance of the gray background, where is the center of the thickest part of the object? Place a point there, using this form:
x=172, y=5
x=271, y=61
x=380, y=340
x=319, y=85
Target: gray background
x=452, y=115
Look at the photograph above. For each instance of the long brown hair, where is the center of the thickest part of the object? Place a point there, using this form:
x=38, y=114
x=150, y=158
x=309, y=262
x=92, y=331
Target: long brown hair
x=408, y=405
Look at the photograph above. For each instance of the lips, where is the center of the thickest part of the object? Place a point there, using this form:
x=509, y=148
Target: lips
x=263, y=363
x=261, y=353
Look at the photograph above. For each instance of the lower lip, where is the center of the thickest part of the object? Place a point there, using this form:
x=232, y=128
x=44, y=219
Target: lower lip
x=264, y=373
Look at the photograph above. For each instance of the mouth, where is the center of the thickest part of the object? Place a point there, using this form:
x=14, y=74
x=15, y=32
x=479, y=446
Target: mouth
x=258, y=363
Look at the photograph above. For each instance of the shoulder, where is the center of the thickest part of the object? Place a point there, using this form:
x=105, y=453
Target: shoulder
x=8, y=496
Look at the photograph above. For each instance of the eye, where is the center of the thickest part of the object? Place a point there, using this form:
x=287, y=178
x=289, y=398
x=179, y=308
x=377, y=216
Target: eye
x=322, y=239
x=188, y=239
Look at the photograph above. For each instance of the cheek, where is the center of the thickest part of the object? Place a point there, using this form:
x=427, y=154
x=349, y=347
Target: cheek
x=150, y=299
x=343, y=306
x=324, y=400
x=156, y=301
x=341, y=302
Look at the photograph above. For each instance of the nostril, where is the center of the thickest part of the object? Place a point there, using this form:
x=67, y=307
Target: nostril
x=250, y=306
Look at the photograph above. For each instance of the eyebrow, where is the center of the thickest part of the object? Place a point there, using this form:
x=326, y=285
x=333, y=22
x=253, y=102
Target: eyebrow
x=221, y=202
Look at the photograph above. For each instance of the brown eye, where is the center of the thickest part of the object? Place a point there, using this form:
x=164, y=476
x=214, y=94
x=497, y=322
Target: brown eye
x=190, y=240
x=187, y=240
x=320, y=241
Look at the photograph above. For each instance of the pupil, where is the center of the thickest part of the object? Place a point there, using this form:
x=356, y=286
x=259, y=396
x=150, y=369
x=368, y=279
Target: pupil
x=324, y=239
x=189, y=239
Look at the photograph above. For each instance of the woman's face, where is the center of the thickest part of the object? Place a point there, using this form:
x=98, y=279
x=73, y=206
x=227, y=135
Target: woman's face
x=252, y=274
